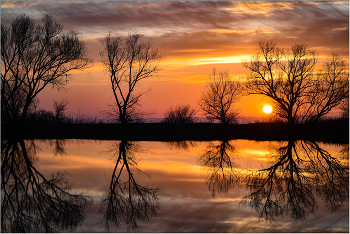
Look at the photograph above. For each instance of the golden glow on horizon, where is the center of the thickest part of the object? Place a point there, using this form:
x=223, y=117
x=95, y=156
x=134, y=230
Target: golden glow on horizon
x=251, y=31
x=267, y=109
x=176, y=63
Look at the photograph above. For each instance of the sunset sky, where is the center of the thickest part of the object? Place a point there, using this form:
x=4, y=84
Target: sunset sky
x=195, y=37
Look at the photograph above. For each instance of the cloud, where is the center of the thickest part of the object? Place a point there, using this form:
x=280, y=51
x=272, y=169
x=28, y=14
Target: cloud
x=123, y=15
x=204, y=25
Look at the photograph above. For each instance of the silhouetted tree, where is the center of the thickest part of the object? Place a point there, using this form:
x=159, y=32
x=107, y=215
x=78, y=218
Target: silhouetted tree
x=219, y=96
x=45, y=116
x=221, y=172
x=59, y=109
x=181, y=145
x=128, y=60
x=302, y=170
x=32, y=58
x=344, y=106
x=180, y=114
x=300, y=94
x=30, y=202
x=127, y=202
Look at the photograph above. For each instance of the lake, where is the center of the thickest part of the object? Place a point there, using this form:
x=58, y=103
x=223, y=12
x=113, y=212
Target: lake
x=188, y=186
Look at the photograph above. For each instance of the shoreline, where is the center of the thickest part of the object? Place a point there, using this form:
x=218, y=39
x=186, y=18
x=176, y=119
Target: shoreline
x=336, y=131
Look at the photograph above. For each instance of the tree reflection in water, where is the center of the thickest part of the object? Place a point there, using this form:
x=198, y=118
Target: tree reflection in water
x=301, y=171
x=181, y=145
x=58, y=145
x=221, y=173
x=29, y=201
x=127, y=202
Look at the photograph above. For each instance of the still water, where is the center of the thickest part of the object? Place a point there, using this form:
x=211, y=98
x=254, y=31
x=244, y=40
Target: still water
x=189, y=186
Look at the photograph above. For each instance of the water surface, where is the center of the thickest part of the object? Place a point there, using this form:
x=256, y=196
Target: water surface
x=218, y=186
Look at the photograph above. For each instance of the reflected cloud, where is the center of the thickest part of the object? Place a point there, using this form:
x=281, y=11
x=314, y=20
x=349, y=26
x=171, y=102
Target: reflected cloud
x=30, y=202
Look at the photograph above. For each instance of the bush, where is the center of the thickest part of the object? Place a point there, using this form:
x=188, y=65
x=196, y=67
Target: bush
x=41, y=116
x=180, y=114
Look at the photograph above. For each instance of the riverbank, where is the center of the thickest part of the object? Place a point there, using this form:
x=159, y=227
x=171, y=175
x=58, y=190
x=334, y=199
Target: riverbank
x=332, y=131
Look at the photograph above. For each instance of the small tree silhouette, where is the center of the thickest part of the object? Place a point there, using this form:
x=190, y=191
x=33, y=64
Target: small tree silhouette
x=344, y=106
x=60, y=108
x=219, y=96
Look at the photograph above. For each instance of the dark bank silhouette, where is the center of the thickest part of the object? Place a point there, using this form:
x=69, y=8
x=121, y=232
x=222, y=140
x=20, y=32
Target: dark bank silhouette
x=30, y=202
x=300, y=173
x=221, y=174
x=127, y=202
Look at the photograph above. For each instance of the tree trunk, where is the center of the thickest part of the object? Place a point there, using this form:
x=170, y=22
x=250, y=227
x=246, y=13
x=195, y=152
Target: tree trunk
x=24, y=112
x=122, y=118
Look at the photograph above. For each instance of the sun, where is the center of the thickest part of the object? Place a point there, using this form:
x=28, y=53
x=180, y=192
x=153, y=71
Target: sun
x=267, y=109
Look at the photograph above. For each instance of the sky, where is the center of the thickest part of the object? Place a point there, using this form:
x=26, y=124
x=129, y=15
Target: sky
x=195, y=37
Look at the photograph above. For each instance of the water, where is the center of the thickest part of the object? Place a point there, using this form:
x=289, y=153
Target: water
x=218, y=186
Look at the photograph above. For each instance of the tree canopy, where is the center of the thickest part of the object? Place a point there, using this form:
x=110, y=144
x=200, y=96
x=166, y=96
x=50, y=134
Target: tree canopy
x=128, y=61
x=301, y=94
x=33, y=57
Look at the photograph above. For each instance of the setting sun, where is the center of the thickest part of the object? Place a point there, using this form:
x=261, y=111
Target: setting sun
x=267, y=109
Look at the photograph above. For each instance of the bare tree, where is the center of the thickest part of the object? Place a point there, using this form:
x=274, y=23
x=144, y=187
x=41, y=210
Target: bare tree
x=344, y=106
x=219, y=96
x=128, y=60
x=60, y=108
x=289, y=78
x=33, y=57
x=180, y=114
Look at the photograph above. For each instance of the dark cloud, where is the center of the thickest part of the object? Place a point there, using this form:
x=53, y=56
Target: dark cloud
x=125, y=15
x=191, y=28
x=201, y=216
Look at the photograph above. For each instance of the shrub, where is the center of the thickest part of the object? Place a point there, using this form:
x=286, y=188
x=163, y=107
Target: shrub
x=180, y=114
